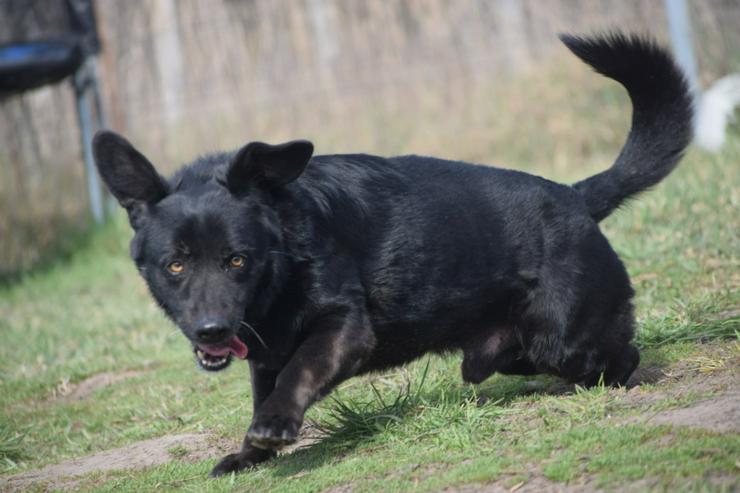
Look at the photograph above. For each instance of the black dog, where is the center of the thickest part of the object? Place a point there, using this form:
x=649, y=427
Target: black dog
x=319, y=269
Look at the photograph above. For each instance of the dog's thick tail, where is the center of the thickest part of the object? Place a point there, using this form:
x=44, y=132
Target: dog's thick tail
x=661, y=119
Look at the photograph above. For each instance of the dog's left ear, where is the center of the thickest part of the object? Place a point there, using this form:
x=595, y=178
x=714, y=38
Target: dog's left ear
x=266, y=165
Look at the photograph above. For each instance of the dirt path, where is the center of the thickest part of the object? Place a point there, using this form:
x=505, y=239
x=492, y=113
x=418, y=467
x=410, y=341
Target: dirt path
x=67, y=391
x=188, y=447
x=719, y=413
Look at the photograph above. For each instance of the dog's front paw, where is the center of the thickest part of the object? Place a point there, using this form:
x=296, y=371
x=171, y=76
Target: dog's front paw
x=272, y=431
x=249, y=457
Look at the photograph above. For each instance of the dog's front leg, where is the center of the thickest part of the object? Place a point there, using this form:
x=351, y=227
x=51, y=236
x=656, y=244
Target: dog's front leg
x=334, y=349
x=263, y=382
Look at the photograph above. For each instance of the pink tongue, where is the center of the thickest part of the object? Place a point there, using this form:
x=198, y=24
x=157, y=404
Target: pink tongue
x=234, y=346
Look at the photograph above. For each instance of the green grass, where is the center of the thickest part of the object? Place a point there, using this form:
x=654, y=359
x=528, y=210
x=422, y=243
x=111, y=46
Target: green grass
x=417, y=428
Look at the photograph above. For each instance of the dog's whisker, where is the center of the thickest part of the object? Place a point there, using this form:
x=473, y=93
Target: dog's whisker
x=245, y=324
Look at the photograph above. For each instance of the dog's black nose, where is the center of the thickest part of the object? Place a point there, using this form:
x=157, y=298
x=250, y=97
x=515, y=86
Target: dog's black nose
x=212, y=331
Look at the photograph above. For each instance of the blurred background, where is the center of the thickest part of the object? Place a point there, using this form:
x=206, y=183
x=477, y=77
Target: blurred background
x=483, y=81
x=90, y=363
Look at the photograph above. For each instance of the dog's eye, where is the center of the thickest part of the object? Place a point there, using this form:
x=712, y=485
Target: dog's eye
x=237, y=261
x=175, y=267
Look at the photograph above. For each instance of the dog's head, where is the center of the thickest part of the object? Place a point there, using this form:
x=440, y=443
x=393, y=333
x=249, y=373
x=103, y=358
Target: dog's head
x=204, y=241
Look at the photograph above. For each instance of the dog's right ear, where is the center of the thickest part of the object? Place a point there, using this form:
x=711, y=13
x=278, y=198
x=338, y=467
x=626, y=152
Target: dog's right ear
x=267, y=166
x=130, y=176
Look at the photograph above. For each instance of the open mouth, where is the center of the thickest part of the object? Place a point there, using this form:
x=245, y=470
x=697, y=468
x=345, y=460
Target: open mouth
x=215, y=357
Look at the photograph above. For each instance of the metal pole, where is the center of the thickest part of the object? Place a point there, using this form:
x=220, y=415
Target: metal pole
x=111, y=205
x=679, y=24
x=84, y=114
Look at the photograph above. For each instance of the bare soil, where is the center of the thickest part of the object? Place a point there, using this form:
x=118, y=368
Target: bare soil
x=67, y=391
x=718, y=414
x=188, y=447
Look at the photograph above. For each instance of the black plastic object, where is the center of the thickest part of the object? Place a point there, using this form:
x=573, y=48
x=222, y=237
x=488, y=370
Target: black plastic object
x=25, y=66
x=43, y=41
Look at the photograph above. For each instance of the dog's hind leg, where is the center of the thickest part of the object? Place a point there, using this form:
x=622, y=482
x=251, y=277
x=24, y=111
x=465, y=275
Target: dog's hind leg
x=621, y=365
x=609, y=354
x=591, y=341
x=620, y=357
x=577, y=322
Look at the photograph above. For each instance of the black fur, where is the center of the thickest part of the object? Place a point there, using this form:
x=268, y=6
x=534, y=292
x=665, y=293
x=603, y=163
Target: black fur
x=360, y=263
x=661, y=119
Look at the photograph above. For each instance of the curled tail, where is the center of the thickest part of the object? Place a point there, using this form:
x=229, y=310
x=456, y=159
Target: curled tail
x=661, y=119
